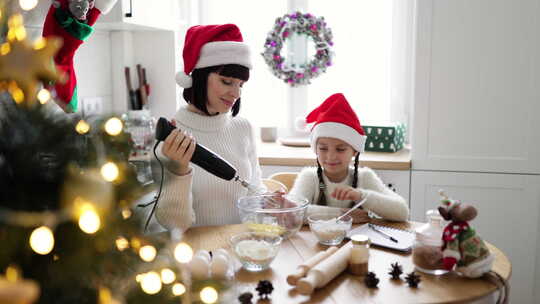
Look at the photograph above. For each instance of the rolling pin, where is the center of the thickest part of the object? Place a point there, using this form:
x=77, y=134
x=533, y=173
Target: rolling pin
x=301, y=270
x=325, y=271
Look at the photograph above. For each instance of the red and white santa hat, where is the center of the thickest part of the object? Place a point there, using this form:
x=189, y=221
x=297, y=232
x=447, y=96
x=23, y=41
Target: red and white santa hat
x=211, y=45
x=335, y=118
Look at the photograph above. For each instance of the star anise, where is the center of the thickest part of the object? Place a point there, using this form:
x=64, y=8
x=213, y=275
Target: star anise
x=264, y=288
x=371, y=280
x=395, y=271
x=412, y=279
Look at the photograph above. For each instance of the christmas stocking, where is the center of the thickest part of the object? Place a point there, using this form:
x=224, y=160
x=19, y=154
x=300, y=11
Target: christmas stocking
x=71, y=20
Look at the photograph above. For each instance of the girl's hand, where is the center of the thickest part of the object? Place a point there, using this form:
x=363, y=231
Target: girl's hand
x=359, y=216
x=347, y=193
x=179, y=147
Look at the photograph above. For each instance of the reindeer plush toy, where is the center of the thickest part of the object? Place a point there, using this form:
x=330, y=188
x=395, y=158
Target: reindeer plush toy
x=462, y=247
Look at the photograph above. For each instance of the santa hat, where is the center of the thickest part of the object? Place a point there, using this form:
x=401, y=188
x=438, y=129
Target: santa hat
x=335, y=118
x=448, y=203
x=211, y=45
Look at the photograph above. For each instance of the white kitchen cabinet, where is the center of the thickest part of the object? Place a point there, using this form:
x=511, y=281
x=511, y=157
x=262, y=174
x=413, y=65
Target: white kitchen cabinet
x=397, y=180
x=508, y=206
x=477, y=70
x=142, y=14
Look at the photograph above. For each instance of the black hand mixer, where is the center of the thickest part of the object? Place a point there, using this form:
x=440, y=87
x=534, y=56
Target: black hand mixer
x=202, y=157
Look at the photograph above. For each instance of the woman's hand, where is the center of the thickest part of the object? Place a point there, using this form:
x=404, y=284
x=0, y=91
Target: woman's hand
x=359, y=216
x=179, y=147
x=347, y=193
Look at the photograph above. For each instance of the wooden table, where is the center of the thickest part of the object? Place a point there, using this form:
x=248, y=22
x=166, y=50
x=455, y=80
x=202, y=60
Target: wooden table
x=346, y=288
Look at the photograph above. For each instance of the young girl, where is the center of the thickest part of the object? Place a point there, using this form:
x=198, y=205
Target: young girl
x=334, y=186
x=219, y=64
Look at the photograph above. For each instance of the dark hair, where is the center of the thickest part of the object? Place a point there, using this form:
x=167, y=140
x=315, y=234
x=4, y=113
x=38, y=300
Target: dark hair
x=197, y=95
x=322, y=185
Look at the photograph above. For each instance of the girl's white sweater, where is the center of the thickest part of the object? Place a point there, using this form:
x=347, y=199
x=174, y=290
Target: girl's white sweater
x=381, y=201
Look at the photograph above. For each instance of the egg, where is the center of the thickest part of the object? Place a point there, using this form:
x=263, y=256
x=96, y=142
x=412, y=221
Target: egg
x=204, y=254
x=222, y=252
x=200, y=267
x=220, y=267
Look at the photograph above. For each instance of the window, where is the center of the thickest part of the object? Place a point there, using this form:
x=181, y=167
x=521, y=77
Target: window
x=362, y=69
x=362, y=44
x=264, y=97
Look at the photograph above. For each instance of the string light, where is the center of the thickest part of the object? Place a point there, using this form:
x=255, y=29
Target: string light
x=42, y=240
x=148, y=253
x=5, y=48
x=28, y=4
x=105, y=296
x=13, y=273
x=135, y=243
x=40, y=43
x=126, y=213
x=43, y=96
x=183, y=253
x=16, y=93
x=109, y=171
x=178, y=289
x=15, y=20
x=122, y=244
x=89, y=221
x=209, y=295
x=113, y=126
x=82, y=127
x=167, y=276
x=151, y=283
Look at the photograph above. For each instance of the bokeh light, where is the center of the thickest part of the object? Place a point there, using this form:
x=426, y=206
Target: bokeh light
x=42, y=240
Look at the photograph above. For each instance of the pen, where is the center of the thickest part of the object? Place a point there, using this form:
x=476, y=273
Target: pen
x=382, y=233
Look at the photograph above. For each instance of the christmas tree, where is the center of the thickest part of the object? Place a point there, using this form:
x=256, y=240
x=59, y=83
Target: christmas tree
x=67, y=191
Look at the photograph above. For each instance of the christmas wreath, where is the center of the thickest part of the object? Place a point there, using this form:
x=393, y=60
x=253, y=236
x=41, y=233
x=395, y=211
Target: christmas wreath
x=302, y=24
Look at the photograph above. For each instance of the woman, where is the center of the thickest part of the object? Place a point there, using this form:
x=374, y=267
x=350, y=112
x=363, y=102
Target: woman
x=219, y=64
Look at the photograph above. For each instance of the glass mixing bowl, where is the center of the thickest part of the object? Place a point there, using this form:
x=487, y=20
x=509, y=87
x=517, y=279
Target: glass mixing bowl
x=276, y=213
x=255, y=250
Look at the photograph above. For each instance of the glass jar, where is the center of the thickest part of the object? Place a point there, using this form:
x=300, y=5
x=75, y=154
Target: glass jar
x=140, y=125
x=358, y=261
x=427, y=247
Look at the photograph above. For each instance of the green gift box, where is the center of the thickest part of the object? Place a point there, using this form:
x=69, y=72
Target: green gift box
x=387, y=138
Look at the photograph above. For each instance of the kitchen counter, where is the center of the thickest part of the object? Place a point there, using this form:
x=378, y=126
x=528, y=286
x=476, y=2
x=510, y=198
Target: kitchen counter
x=276, y=154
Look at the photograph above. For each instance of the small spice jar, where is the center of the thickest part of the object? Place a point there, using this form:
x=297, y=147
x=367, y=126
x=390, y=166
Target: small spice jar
x=358, y=262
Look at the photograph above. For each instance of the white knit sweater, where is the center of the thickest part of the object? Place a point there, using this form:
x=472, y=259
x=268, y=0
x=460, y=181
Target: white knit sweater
x=381, y=201
x=200, y=198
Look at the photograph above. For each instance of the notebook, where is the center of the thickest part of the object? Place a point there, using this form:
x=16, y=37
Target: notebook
x=404, y=238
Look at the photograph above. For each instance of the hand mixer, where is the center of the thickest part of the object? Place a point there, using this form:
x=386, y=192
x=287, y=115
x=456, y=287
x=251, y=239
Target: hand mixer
x=202, y=157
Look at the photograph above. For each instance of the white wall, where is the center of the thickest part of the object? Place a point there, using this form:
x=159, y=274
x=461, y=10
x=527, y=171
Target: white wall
x=92, y=64
x=93, y=68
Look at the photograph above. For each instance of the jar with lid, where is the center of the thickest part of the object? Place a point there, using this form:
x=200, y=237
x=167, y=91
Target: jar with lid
x=358, y=261
x=427, y=252
x=140, y=125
